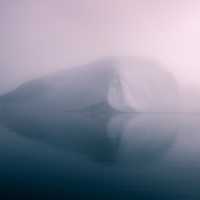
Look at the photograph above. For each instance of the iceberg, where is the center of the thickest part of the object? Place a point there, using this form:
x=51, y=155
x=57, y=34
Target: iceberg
x=120, y=84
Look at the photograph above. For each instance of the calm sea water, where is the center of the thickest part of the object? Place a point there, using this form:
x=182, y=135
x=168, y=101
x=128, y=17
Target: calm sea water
x=91, y=155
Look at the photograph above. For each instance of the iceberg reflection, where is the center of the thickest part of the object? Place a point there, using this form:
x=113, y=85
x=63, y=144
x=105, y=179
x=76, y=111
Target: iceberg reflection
x=143, y=138
x=107, y=138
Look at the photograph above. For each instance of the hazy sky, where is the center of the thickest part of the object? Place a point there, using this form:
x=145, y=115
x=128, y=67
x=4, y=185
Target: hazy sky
x=40, y=36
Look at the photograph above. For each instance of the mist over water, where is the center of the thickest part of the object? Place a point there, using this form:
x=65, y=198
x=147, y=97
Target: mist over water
x=63, y=137
x=99, y=99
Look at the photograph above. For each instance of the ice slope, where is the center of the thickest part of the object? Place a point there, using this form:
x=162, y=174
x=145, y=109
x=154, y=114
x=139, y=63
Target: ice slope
x=67, y=90
x=122, y=84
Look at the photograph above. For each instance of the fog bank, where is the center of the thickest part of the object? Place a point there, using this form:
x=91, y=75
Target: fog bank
x=42, y=36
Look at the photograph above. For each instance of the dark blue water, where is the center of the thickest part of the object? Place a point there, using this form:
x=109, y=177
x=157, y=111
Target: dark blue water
x=91, y=155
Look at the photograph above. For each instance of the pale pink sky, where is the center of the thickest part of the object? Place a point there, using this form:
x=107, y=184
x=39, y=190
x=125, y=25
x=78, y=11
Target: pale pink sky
x=41, y=36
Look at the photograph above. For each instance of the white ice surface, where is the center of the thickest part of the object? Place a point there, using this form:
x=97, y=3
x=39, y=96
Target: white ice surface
x=142, y=86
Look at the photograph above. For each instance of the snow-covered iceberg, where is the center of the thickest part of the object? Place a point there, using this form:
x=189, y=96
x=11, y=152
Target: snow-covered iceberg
x=123, y=85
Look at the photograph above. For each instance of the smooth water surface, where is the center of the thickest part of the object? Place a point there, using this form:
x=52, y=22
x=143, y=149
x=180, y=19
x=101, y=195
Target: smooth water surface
x=97, y=155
